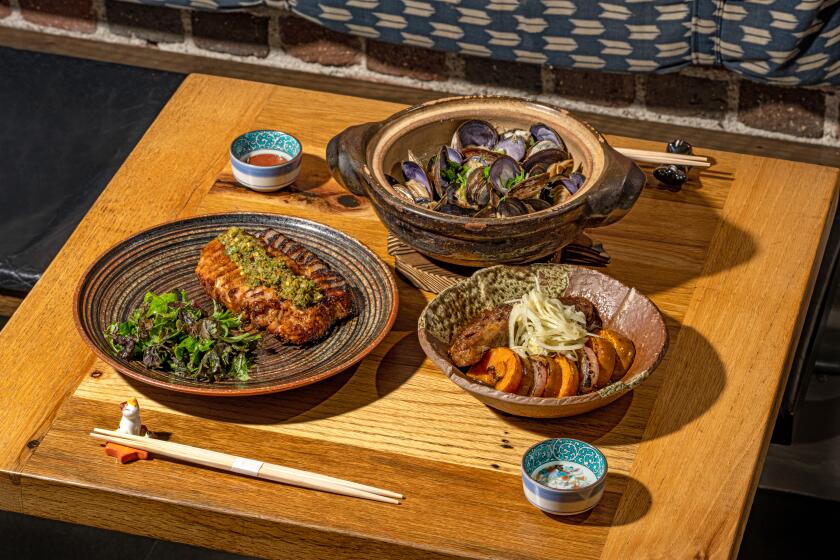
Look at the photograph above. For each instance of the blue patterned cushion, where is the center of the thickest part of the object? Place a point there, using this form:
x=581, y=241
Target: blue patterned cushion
x=794, y=42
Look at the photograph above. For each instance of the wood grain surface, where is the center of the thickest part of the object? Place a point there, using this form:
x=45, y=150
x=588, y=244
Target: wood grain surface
x=729, y=260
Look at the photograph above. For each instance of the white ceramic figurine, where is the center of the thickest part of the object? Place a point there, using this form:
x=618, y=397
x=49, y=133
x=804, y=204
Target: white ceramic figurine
x=130, y=421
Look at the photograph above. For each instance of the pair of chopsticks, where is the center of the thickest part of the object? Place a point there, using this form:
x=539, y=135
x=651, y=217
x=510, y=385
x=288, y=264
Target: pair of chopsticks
x=250, y=467
x=648, y=156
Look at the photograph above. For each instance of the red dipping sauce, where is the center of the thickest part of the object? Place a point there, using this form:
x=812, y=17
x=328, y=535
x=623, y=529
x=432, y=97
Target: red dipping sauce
x=266, y=159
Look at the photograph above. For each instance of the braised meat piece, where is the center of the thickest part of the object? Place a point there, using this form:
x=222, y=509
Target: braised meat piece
x=593, y=319
x=262, y=306
x=488, y=330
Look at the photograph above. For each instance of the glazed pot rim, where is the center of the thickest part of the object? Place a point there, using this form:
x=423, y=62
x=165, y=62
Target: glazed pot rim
x=492, y=222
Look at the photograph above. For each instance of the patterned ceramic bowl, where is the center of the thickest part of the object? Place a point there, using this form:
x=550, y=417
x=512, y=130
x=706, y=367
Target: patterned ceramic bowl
x=621, y=308
x=564, y=476
x=265, y=178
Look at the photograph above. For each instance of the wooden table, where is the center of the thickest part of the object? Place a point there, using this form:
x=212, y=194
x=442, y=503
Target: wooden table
x=730, y=260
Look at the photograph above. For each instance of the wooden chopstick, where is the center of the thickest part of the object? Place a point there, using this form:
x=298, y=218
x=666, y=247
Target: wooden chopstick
x=188, y=449
x=241, y=465
x=654, y=153
x=232, y=463
x=648, y=156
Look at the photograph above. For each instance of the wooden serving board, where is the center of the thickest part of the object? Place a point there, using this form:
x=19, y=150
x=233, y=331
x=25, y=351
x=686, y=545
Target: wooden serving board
x=729, y=260
x=435, y=276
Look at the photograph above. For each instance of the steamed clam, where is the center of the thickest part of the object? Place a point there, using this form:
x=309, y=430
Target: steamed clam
x=417, y=182
x=511, y=207
x=512, y=146
x=488, y=173
x=543, y=133
x=504, y=174
x=475, y=133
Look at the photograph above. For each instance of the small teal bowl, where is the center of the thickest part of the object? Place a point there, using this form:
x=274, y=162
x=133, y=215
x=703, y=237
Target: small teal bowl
x=265, y=178
x=563, y=501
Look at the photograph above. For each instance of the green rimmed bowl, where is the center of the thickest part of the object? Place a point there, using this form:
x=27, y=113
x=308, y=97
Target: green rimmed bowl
x=570, y=452
x=622, y=308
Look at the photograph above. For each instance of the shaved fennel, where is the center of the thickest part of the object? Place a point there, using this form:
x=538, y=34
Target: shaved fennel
x=540, y=325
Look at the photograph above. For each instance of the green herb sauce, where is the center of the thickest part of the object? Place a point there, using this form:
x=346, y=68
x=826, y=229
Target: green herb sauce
x=261, y=269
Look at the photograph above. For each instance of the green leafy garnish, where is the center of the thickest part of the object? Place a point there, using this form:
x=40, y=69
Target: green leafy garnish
x=452, y=172
x=262, y=269
x=515, y=180
x=168, y=332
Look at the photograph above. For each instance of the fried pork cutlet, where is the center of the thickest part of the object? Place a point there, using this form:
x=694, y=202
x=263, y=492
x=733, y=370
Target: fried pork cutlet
x=298, y=302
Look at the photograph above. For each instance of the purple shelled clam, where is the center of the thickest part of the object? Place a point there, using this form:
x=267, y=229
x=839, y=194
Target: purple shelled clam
x=485, y=173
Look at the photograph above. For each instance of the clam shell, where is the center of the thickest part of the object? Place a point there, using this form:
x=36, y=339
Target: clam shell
x=501, y=172
x=475, y=133
x=513, y=147
x=543, y=133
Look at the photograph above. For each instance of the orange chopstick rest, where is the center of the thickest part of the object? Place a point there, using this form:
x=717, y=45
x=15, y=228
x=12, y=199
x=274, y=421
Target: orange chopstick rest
x=124, y=454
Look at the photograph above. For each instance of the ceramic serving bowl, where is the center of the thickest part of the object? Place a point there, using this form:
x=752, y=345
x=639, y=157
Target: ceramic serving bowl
x=265, y=178
x=361, y=156
x=565, y=453
x=621, y=308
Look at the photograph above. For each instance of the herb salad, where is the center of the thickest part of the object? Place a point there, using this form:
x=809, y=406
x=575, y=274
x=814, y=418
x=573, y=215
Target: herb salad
x=169, y=333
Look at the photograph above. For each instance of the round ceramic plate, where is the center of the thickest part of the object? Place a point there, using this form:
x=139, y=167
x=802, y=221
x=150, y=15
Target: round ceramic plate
x=163, y=259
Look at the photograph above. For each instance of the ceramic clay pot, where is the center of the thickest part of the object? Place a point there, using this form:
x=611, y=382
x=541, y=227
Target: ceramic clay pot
x=361, y=156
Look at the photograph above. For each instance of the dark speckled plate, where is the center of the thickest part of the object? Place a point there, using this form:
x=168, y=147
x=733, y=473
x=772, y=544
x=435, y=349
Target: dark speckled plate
x=163, y=258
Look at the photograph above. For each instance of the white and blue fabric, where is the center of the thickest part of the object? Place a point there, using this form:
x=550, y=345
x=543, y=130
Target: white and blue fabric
x=789, y=42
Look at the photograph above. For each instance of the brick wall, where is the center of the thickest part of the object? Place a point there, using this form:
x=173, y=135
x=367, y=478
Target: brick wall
x=702, y=97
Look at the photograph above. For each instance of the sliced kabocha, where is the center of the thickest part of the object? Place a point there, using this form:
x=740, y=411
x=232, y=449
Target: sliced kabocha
x=606, y=358
x=569, y=375
x=479, y=371
x=507, y=367
x=501, y=368
x=624, y=348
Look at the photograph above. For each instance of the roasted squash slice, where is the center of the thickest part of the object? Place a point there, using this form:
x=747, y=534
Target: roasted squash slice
x=478, y=371
x=569, y=376
x=605, y=354
x=506, y=366
x=625, y=351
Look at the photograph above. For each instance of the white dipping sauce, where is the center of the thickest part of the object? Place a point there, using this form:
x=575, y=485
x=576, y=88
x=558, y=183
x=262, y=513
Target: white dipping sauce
x=564, y=475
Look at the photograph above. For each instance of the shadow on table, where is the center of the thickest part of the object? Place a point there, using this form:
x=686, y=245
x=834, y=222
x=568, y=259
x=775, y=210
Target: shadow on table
x=671, y=264
x=314, y=173
x=349, y=390
x=604, y=514
x=598, y=426
x=313, y=188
